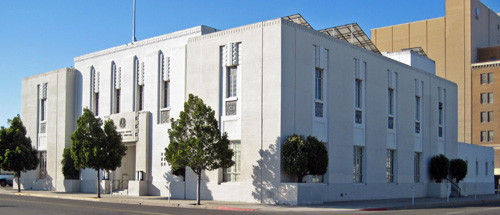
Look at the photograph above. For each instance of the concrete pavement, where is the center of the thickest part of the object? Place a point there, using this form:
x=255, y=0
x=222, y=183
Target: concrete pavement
x=365, y=205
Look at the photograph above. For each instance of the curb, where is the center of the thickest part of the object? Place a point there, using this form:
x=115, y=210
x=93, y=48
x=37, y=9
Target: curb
x=235, y=209
x=373, y=209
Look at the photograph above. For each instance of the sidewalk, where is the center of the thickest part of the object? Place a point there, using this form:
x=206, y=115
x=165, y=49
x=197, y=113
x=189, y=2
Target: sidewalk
x=367, y=205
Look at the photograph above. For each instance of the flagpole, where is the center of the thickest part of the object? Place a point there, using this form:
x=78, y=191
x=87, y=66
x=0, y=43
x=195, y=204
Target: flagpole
x=133, y=27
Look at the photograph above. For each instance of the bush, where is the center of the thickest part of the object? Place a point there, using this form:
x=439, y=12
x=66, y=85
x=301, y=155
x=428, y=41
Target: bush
x=458, y=169
x=69, y=170
x=439, y=167
x=303, y=156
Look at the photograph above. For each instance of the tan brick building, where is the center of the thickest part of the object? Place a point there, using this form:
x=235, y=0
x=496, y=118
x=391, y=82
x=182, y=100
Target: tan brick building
x=453, y=42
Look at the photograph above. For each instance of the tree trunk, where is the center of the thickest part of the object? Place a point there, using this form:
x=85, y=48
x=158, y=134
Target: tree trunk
x=19, y=182
x=198, y=189
x=98, y=185
x=300, y=178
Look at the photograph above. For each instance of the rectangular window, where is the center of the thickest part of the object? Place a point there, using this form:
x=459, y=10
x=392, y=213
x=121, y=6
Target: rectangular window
x=490, y=136
x=231, y=81
x=43, y=165
x=416, y=168
x=389, y=164
x=117, y=94
x=484, y=117
x=490, y=78
x=358, y=95
x=484, y=99
x=418, y=114
x=96, y=104
x=490, y=98
x=390, y=108
x=166, y=94
x=318, y=84
x=483, y=78
x=441, y=120
x=484, y=137
x=43, y=109
x=477, y=168
x=490, y=116
x=141, y=97
x=358, y=165
x=232, y=174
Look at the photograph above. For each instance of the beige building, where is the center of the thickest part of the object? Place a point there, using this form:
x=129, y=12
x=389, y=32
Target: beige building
x=452, y=42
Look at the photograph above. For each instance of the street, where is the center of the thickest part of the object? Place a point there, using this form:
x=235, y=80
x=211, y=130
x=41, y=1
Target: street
x=13, y=204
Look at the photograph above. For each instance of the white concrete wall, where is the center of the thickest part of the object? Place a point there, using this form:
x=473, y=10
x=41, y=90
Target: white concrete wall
x=413, y=59
x=479, y=180
x=61, y=88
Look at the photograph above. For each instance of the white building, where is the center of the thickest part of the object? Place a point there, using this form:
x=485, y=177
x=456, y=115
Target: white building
x=382, y=120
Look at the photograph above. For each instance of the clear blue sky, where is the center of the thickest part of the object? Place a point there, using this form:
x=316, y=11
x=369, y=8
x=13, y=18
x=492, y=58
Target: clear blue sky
x=41, y=36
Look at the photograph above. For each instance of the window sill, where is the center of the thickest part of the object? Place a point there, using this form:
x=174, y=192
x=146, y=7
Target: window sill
x=232, y=99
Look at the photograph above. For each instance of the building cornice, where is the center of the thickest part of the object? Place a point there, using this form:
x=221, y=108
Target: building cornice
x=195, y=30
x=490, y=64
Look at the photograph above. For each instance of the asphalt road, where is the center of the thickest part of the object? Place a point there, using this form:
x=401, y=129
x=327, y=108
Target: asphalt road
x=12, y=204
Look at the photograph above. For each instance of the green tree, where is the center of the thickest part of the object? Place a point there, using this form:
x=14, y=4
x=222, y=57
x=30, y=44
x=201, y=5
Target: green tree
x=196, y=141
x=439, y=167
x=304, y=156
x=68, y=166
x=458, y=169
x=93, y=147
x=16, y=153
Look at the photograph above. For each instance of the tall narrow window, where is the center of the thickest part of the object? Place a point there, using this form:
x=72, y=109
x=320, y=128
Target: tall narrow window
x=490, y=136
x=231, y=81
x=390, y=108
x=477, y=168
x=416, y=169
x=441, y=119
x=115, y=88
x=490, y=78
x=141, y=97
x=358, y=101
x=117, y=105
x=43, y=109
x=417, y=114
x=164, y=88
x=490, y=98
x=318, y=92
x=43, y=164
x=166, y=94
x=358, y=165
x=484, y=117
x=389, y=163
x=96, y=100
x=490, y=116
x=484, y=137
x=232, y=174
x=484, y=99
x=483, y=78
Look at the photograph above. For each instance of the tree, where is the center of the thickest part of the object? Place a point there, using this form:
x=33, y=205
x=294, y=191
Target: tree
x=69, y=170
x=304, y=156
x=196, y=141
x=16, y=153
x=458, y=169
x=439, y=167
x=93, y=147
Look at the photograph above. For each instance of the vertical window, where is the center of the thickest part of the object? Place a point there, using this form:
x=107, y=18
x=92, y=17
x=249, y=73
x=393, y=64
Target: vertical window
x=484, y=137
x=43, y=110
x=166, y=94
x=117, y=105
x=441, y=120
x=43, y=165
x=490, y=136
x=141, y=97
x=390, y=108
x=318, y=89
x=490, y=78
x=232, y=174
x=358, y=84
x=417, y=114
x=231, y=81
x=358, y=165
x=318, y=92
x=389, y=163
x=416, y=168
x=490, y=98
x=484, y=117
x=484, y=99
x=490, y=116
x=483, y=78
x=96, y=104
x=477, y=168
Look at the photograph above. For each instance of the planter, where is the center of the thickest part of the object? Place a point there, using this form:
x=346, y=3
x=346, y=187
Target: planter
x=72, y=186
x=439, y=190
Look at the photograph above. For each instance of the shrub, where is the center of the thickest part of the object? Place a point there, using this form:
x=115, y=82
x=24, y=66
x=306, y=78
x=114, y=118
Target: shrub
x=69, y=170
x=439, y=167
x=458, y=169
